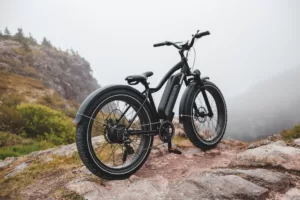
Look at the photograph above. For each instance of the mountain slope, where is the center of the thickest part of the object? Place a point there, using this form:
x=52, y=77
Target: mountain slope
x=266, y=108
x=69, y=75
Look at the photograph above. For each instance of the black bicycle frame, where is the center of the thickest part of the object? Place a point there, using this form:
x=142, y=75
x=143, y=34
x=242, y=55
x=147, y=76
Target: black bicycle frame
x=185, y=71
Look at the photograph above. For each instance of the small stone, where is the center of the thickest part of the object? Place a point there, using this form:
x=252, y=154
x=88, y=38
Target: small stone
x=6, y=162
x=156, y=153
x=19, y=168
x=213, y=152
x=133, y=178
x=187, y=155
x=297, y=142
x=48, y=159
x=84, y=170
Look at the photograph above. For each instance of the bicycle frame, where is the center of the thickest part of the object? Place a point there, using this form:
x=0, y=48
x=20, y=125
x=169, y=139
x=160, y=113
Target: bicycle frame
x=185, y=72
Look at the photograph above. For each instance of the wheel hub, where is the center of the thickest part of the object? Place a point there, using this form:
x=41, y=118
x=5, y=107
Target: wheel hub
x=202, y=110
x=115, y=133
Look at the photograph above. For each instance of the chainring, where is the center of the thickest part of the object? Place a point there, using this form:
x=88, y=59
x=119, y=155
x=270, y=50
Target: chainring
x=166, y=130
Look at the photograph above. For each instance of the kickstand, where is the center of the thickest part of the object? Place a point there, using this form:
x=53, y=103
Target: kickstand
x=170, y=149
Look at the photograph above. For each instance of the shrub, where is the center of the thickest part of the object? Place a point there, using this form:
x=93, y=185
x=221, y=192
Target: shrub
x=44, y=122
x=10, y=119
x=292, y=133
x=9, y=139
x=70, y=112
x=12, y=100
x=53, y=101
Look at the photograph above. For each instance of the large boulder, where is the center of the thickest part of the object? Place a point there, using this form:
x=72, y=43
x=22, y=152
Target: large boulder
x=276, y=154
x=272, y=180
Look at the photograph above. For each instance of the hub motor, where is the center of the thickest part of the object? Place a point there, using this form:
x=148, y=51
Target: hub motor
x=114, y=134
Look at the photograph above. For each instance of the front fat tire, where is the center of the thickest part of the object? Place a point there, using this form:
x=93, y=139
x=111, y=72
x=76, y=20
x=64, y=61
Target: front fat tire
x=188, y=124
x=83, y=147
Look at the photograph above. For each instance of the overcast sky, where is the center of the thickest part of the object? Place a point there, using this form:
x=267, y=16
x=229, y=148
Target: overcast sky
x=249, y=42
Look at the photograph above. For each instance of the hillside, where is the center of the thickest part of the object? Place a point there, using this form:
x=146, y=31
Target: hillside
x=267, y=108
x=68, y=75
x=41, y=88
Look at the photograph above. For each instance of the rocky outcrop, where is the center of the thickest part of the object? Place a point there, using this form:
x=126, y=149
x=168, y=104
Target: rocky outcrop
x=68, y=74
x=214, y=174
x=276, y=154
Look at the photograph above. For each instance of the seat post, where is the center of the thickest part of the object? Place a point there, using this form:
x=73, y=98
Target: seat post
x=146, y=84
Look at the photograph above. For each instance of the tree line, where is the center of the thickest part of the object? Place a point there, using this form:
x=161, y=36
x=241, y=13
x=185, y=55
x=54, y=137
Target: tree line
x=20, y=37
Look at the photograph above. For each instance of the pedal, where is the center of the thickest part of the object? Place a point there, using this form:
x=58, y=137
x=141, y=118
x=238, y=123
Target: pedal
x=170, y=149
x=176, y=151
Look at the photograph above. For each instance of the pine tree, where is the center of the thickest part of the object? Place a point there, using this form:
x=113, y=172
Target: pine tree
x=19, y=35
x=1, y=33
x=6, y=31
x=72, y=52
x=32, y=41
x=46, y=43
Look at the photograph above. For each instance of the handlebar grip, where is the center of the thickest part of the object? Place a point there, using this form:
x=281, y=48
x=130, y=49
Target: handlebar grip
x=202, y=34
x=159, y=44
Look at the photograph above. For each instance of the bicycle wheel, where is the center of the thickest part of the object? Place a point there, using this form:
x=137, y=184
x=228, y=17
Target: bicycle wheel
x=100, y=135
x=203, y=131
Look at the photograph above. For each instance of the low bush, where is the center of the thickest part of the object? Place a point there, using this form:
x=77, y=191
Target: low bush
x=9, y=139
x=44, y=122
x=53, y=101
x=12, y=100
x=291, y=134
x=10, y=120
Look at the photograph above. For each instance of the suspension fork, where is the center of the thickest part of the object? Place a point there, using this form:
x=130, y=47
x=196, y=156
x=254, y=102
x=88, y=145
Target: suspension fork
x=202, y=89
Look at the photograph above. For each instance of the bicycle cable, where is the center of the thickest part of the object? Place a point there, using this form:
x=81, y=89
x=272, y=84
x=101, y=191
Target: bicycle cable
x=194, y=58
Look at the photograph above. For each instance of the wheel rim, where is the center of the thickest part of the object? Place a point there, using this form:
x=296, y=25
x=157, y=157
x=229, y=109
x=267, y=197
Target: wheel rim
x=208, y=129
x=107, y=153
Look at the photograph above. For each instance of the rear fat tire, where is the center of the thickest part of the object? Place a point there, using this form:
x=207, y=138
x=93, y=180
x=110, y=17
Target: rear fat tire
x=86, y=151
x=188, y=123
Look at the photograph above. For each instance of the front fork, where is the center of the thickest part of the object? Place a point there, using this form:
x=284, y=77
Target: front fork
x=199, y=81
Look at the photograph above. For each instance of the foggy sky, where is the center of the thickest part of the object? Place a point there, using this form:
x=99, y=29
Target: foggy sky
x=249, y=42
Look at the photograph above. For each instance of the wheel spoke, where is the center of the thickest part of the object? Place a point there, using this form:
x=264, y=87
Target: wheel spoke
x=106, y=122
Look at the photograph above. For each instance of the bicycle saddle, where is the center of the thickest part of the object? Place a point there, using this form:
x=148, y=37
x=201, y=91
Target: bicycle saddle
x=135, y=79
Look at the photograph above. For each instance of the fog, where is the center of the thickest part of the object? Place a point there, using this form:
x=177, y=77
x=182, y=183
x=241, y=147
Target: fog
x=250, y=42
x=267, y=108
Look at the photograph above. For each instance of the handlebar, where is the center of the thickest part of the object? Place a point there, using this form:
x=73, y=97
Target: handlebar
x=199, y=35
x=167, y=43
x=185, y=46
x=159, y=44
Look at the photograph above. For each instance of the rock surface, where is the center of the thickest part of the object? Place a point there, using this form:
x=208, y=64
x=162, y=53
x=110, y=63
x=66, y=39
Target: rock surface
x=292, y=194
x=193, y=175
x=276, y=154
x=19, y=168
x=6, y=162
x=275, y=181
